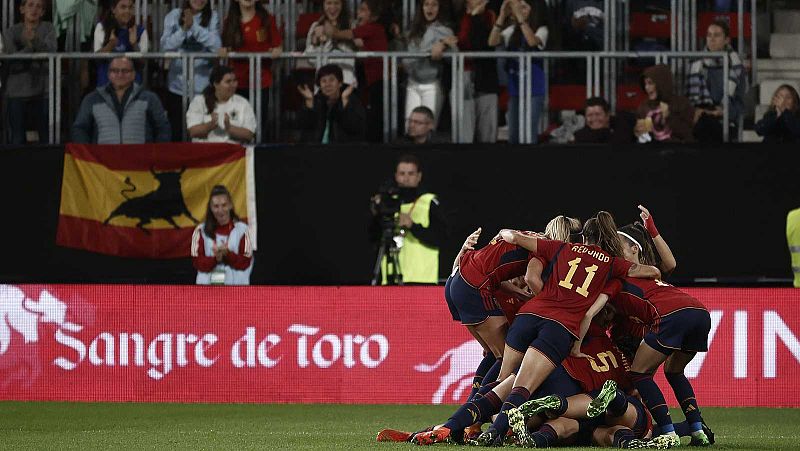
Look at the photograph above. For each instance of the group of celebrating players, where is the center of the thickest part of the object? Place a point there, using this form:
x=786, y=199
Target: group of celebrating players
x=560, y=315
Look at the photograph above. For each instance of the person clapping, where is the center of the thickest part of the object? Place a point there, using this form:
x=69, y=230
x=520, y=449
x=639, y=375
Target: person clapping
x=219, y=114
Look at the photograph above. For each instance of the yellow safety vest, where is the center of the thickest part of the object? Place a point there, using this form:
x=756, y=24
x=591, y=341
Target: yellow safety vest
x=793, y=238
x=419, y=263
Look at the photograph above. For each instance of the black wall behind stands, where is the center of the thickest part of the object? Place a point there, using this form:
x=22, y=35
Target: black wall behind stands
x=722, y=210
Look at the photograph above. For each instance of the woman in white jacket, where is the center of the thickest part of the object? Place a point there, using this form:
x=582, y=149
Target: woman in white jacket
x=336, y=13
x=428, y=34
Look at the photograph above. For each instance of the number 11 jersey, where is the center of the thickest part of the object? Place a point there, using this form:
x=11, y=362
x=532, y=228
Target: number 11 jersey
x=575, y=275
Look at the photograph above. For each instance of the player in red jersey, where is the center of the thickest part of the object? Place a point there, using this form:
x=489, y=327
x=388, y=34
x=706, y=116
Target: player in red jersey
x=479, y=275
x=548, y=327
x=675, y=327
x=625, y=422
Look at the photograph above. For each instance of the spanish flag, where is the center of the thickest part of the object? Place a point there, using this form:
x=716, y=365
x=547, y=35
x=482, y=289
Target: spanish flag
x=144, y=201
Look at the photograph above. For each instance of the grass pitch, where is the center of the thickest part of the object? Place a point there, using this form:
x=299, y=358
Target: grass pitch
x=46, y=425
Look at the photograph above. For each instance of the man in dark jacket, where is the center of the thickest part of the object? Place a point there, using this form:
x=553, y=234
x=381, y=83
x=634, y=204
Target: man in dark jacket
x=331, y=116
x=121, y=112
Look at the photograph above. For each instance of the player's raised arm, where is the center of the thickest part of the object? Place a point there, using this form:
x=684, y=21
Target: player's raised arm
x=469, y=244
x=668, y=261
x=519, y=238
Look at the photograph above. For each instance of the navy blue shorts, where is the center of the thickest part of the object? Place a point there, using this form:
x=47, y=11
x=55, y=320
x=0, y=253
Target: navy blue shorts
x=544, y=335
x=682, y=330
x=450, y=305
x=559, y=382
x=466, y=303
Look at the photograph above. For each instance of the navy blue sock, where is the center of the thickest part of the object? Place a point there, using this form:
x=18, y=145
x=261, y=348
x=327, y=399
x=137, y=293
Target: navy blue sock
x=622, y=437
x=654, y=400
x=494, y=371
x=618, y=406
x=517, y=396
x=474, y=411
x=682, y=429
x=684, y=393
x=486, y=388
x=480, y=372
x=545, y=437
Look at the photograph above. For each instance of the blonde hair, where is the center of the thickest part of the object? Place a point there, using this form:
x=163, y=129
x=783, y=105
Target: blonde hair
x=561, y=227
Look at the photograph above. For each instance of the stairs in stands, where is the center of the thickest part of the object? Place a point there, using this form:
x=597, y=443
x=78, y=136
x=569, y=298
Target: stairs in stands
x=783, y=66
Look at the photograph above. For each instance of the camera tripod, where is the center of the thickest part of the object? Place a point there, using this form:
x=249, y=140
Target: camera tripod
x=388, y=248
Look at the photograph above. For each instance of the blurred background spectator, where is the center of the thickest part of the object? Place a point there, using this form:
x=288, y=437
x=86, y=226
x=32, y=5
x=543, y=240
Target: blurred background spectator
x=429, y=33
x=369, y=36
x=27, y=82
x=480, y=75
x=706, y=84
x=603, y=128
x=527, y=32
x=420, y=127
x=583, y=25
x=219, y=114
x=249, y=27
x=193, y=27
x=781, y=123
x=663, y=115
x=121, y=112
x=337, y=15
x=117, y=32
x=334, y=114
x=221, y=250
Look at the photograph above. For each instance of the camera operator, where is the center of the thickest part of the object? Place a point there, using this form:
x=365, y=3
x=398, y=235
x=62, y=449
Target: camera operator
x=409, y=222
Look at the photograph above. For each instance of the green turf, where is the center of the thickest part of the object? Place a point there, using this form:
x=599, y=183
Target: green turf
x=39, y=425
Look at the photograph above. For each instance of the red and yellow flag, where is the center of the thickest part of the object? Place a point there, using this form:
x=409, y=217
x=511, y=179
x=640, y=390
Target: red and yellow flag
x=144, y=201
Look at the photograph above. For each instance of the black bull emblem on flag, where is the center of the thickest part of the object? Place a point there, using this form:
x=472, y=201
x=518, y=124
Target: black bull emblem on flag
x=165, y=202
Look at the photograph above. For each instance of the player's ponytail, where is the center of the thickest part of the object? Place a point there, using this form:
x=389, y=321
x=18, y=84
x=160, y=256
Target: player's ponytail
x=602, y=231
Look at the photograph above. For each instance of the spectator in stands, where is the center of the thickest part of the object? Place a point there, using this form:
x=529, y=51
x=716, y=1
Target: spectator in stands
x=336, y=13
x=26, y=86
x=333, y=115
x=706, y=84
x=781, y=124
x=221, y=249
x=428, y=34
x=584, y=25
x=527, y=32
x=420, y=128
x=480, y=75
x=249, y=27
x=193, y=27
x=601, y=127
x=117, y=32
x=121, y=112
x=368, y=36
x=219, y=114
x=663, y=115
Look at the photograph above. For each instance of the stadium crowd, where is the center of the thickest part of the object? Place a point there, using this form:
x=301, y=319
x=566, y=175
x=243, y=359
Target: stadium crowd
x=342, y=102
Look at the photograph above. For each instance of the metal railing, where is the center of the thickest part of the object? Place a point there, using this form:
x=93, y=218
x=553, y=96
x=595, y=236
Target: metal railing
x=390, y=62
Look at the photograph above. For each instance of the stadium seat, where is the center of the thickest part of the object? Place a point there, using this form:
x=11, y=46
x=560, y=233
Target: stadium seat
x=567, y=97
x=629, y=97
x=649, y=25
x=784, y=45
x=705, y=19
x=786, y=21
